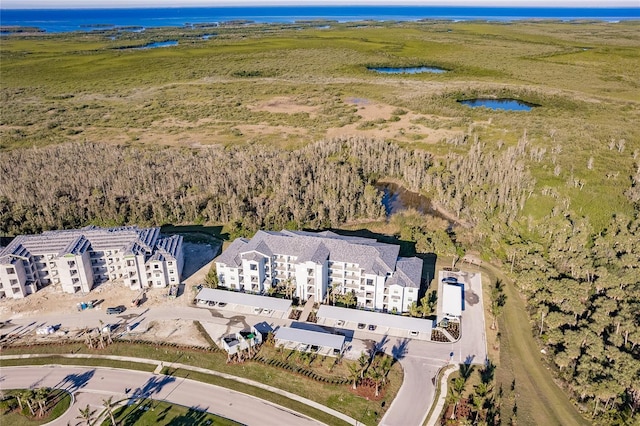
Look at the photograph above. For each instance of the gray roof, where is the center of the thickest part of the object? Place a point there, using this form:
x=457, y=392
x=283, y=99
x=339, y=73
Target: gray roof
x=372, y=256
x=253, y=300
x=231, y=256
x=308, y=337
x=408, y=272
x=128, y=239
x=375, y=318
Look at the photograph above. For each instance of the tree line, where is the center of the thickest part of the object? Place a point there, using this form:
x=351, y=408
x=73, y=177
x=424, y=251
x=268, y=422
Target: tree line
x=322, y=185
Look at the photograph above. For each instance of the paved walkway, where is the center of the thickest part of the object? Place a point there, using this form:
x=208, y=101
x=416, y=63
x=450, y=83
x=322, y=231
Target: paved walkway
x=307, y=309
x=272, y=389
x=442, y=396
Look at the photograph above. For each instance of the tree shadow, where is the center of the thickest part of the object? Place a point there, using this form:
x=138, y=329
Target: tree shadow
x=151, y=387
x=379, y=346
x=196, y=233
x=400, y=349
x=465, y=371
x=194, y=416
x=74, y=382
x=487, y=373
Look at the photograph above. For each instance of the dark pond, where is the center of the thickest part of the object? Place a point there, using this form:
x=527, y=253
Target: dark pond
x=407, y=70
x=502, y=104
x=396, y=198
x=160, y=44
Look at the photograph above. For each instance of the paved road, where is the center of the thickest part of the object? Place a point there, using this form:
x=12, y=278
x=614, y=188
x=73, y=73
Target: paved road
x=93, y=384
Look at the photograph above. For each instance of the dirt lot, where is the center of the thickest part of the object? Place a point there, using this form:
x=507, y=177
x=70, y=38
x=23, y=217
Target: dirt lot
x=51, y=300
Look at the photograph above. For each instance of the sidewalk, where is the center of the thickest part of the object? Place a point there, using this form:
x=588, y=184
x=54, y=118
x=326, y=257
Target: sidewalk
x=161, y=364
x=442, y=395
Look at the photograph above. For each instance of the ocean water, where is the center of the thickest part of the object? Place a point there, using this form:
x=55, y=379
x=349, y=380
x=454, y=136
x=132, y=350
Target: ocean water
x=65, y=20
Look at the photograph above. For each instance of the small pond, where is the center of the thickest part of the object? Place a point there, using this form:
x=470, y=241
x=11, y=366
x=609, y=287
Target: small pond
x=407, y=70
x=499, y=104
x=396, y=198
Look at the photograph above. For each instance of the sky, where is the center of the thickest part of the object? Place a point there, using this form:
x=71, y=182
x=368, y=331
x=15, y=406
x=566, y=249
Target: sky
x=53, y=4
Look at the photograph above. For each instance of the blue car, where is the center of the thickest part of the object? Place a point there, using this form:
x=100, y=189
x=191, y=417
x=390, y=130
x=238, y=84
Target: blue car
x=450, y=280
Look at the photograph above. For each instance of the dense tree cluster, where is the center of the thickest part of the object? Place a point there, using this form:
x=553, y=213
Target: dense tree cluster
x=584, y=296
x=323, y=184
x=484, y=183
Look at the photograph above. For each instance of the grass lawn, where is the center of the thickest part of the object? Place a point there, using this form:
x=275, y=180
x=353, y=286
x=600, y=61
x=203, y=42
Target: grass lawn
x=338, y=397
x=61, y=400
x=150, y=412
x=84, y=361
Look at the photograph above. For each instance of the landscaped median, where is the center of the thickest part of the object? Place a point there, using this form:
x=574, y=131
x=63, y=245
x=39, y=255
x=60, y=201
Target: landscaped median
x=293, y=390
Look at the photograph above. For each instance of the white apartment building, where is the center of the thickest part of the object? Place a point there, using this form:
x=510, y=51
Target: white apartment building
x=80, y=258
x=323, y=262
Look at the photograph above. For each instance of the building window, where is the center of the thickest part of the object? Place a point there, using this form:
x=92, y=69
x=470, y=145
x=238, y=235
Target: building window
x=170, y=263
x=173, y=280
x=156, y=266
x=11, y=271
x=369, y=281
x=253, y=267
x=171, y=271
x=13, y=282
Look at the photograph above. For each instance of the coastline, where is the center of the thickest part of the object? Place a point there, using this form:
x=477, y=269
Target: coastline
x=91, y=19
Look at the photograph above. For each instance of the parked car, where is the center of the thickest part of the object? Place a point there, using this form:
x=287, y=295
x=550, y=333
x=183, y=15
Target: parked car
x=372, y=327
x=413, y=333
x=115, y=310
x=222, y=304
x=361, y=325
x=450, y=280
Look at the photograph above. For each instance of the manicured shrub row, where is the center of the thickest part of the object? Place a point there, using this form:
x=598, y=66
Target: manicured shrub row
x=303, y=371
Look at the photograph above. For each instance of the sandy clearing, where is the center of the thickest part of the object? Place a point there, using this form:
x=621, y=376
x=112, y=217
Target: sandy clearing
x=284, y=105
x=198, y=260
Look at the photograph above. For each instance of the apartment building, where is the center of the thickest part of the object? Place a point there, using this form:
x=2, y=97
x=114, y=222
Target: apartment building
x=320, y=264
x=78, y=259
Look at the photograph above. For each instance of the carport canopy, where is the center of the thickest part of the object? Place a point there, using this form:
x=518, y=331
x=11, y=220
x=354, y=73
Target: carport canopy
x=311, y=338
x=378, y=319
x=252, y=300
x=452, y=300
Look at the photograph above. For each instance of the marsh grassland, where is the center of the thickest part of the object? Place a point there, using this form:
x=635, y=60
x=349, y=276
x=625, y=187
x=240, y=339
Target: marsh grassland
x=272, y=126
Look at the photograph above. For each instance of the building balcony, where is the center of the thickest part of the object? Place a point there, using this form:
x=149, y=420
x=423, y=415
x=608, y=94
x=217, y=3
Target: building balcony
x=369, y=295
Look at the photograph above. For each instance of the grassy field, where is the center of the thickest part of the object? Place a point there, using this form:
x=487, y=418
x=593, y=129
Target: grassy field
x=338, y=397
x=286, y=87
x=539, y=399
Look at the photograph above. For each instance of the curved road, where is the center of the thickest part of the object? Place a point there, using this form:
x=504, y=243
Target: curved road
x=91, y=385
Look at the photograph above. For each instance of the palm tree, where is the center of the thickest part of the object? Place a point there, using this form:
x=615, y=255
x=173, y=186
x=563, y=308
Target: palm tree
x=414, y=311
x=354, y=374
x=28, y=396
x=86, y=414
x=376, y=375
x=349, y=299
x=363, y=363
x=456, y=394
x=41, y=396
x=109, y=405
x=385, y=367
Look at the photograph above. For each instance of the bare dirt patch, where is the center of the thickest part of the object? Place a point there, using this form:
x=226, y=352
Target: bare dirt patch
x=284, y=105
x=382, y=121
